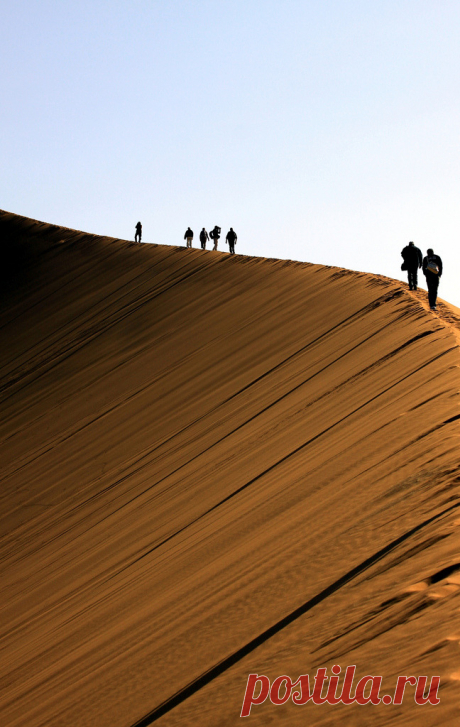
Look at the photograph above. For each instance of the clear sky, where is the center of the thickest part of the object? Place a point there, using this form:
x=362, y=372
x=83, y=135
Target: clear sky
x=321, y=130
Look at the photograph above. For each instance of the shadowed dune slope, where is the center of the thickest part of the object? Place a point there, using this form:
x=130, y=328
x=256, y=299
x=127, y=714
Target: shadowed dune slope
x=214, y=465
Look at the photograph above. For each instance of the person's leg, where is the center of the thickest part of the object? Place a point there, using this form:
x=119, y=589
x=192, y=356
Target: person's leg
x=435, y=290
x=415, y=279
x=215, y=243
x=409, y=278
x=432, y=282
x=430, y=291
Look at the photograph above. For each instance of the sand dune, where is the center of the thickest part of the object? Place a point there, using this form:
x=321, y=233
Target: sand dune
x=214, y=465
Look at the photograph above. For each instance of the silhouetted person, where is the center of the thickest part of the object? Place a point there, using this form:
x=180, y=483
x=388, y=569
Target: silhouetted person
x=214, y=235
x=203, y=237
x=188, y=236
x=138, y=233
x=412, y=257
x=231, y=240
x=432, y=270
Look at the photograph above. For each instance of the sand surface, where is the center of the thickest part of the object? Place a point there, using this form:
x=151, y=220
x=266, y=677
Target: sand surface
x=218, y=465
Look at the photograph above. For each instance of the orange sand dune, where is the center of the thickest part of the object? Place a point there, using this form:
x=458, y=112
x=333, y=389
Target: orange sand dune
x=218, y=465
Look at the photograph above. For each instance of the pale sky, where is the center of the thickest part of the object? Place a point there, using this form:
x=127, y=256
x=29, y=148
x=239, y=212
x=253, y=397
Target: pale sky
x=321, y=130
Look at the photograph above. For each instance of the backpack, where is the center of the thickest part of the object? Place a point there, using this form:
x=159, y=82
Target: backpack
x=432, y=266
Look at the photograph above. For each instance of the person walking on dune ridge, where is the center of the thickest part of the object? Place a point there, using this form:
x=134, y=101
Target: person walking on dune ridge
x=138, y=233
x=412, y=257
x=432, y=270
x=231, y=240
x=214, y=235
x=203, y=237
x=188, y=236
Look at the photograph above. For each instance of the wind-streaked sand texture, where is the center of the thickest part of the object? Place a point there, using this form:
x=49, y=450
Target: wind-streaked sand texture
x=212, y=460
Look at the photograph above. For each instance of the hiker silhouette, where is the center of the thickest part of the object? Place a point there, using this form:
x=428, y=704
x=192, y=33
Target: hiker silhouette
x=203, y=238
x=188, y=236
x=214, y=235
x=432, y=270
x=412, y=257
x=231, y=240
x=138, y=233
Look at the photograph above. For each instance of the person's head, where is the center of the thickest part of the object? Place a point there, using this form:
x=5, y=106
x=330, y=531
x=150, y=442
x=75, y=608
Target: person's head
x=231, y=229
x=429, y=251
x=411, y=244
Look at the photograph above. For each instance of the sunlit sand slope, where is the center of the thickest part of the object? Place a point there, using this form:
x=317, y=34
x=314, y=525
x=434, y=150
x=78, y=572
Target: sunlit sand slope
x=214, y=465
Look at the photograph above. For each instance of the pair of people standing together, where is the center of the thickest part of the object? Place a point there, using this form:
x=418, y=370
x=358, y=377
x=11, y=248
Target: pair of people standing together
x=214, y=235
x=431, y=266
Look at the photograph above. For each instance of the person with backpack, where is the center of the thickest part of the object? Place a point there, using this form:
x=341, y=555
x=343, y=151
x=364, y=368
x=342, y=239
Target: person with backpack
x=231, y=240
x=214, y=235
x=138, y=233
x=412, y=257
x=203, y=237
x=432, y=270
x=188, y=236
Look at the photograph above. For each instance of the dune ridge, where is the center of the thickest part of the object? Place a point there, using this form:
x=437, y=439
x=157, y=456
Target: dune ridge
x=214, y=465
